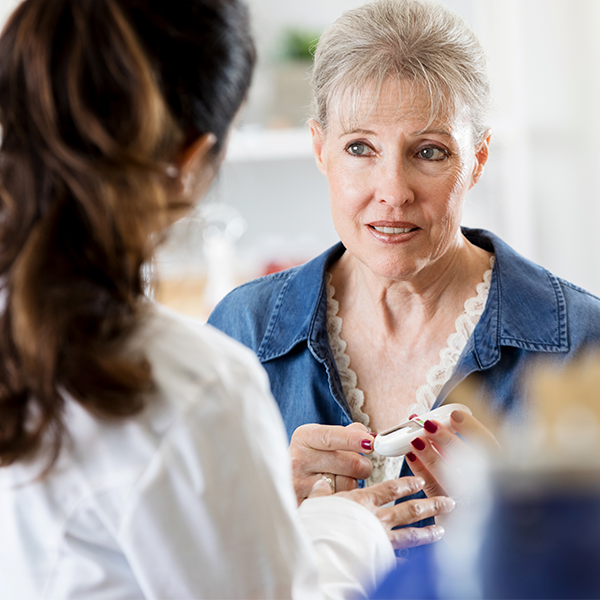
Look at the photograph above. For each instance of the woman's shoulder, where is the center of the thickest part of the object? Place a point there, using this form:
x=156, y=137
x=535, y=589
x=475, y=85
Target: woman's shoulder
x=520, y=273
x=578, y=291
x=257, y=293
x=186, y=352
x=538, y=306
x=253, y=294
x=246, y=312
x=582, y=310
x=199, y=375
x=581, y=303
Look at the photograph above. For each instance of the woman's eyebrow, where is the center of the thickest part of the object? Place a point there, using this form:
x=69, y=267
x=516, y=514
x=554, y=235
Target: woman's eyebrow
x=353, y=131
x=434, y=131
x=420, y=132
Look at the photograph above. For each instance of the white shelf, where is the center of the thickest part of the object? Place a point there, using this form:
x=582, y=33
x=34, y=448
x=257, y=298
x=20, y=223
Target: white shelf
x=263, y=145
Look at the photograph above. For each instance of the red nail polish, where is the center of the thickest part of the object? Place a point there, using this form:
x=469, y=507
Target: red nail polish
x=411, y=456
x=413, y=416
x=418, y=443
x=367, y=444
x=430, y=426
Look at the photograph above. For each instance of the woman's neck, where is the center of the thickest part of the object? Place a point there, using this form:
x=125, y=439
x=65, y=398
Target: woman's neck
x=432, y=295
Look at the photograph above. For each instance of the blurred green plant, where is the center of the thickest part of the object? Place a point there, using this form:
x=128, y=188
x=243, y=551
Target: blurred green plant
x=299, y=44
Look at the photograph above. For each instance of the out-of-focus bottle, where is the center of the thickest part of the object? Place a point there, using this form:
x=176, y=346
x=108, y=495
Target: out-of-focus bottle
x=223, y=226
x=529, y=527
x=542, y=537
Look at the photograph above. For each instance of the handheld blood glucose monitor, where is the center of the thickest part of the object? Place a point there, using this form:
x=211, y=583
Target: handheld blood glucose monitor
x=396, y=441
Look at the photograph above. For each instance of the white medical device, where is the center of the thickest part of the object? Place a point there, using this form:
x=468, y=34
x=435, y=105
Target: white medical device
x=396, y=441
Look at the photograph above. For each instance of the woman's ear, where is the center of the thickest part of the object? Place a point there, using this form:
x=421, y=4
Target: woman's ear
x=318, y=143
x=482, y=153
x=196, y=154
x=196, y=167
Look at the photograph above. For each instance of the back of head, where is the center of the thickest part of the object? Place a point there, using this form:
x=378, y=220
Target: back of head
x=97, y=97
x=415, y=41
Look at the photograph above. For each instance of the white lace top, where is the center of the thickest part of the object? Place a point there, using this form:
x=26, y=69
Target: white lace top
x=385, y=468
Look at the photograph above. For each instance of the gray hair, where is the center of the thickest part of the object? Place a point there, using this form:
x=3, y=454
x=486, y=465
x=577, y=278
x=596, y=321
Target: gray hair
x=420, y=43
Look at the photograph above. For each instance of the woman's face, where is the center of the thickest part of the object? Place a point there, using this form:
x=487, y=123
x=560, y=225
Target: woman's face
x=397, y=183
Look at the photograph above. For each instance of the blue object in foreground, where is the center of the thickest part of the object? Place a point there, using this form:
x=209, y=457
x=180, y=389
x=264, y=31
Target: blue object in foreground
x=542, y=544
x=543, y=547
x=415, y=579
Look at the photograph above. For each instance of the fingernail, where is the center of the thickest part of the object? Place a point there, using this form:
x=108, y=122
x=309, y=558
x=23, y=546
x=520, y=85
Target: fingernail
x=457, y=416
x=372, y=433
x=413, y=416
x=411, y=456
x=367, y=444
x=450, y=504
x=320, y=484
x=430, y=426
x=418, y=443
x=438, y=531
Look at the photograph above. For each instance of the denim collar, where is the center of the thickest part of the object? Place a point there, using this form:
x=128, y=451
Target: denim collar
x=525, y=307
x=300, y=313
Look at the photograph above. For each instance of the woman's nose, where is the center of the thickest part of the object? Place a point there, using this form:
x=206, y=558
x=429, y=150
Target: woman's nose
x=395, y=184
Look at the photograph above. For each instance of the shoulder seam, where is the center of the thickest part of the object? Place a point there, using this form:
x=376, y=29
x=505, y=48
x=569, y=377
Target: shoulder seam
x=577, y=288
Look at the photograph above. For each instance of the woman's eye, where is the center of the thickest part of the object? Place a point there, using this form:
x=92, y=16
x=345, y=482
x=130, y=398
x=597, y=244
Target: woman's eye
x=358, y=149
x=432, y=153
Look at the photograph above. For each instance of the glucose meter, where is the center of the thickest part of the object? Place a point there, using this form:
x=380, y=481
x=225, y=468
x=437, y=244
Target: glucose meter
x=396, y=441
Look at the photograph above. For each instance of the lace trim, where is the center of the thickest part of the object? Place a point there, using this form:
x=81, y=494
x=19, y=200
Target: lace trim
x=465, y=324
x=385, y=468
x=354, y=395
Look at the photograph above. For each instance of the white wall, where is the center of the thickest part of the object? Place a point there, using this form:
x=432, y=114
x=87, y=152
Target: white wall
x=6, y=7
x=545, y=62
x=541, y=190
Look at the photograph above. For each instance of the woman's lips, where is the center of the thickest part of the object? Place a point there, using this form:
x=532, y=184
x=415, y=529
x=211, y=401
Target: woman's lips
x=390, y=231
x=392, y=227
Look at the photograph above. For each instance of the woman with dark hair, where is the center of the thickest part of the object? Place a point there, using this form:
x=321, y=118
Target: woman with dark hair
x=142, y=455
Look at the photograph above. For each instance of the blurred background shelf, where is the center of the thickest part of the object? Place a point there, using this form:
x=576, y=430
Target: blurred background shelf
x=256, y=144
x=540, y=192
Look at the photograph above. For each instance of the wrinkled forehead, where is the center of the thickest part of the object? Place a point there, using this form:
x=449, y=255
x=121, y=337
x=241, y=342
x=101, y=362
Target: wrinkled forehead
x=393, y=100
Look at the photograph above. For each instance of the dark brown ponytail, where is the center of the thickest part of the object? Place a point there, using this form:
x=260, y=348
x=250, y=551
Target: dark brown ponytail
x=96, y=98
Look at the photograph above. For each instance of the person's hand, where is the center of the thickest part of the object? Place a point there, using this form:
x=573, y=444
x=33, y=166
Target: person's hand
x=375, y=497
x=332, y=452
x=448, y=463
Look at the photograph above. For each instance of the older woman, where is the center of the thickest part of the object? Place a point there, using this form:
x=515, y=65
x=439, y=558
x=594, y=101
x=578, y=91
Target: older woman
x=386, y=323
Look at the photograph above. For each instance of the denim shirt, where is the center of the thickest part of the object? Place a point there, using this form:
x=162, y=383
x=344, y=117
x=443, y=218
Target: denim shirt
x=529, y=313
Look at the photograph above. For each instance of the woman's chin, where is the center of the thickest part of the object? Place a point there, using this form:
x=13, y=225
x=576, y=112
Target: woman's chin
x=393, y=270
x=394, y=262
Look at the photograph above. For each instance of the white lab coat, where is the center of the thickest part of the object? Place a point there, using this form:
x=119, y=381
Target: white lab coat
x=192, y=498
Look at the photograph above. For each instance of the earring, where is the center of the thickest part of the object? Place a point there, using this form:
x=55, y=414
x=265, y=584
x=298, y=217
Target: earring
x=172, y=171
x=187, y=180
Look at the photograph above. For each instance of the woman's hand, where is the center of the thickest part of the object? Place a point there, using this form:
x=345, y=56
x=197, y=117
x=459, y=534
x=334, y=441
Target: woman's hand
x=445, y=461
x=375, y=497
x=331, y=451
